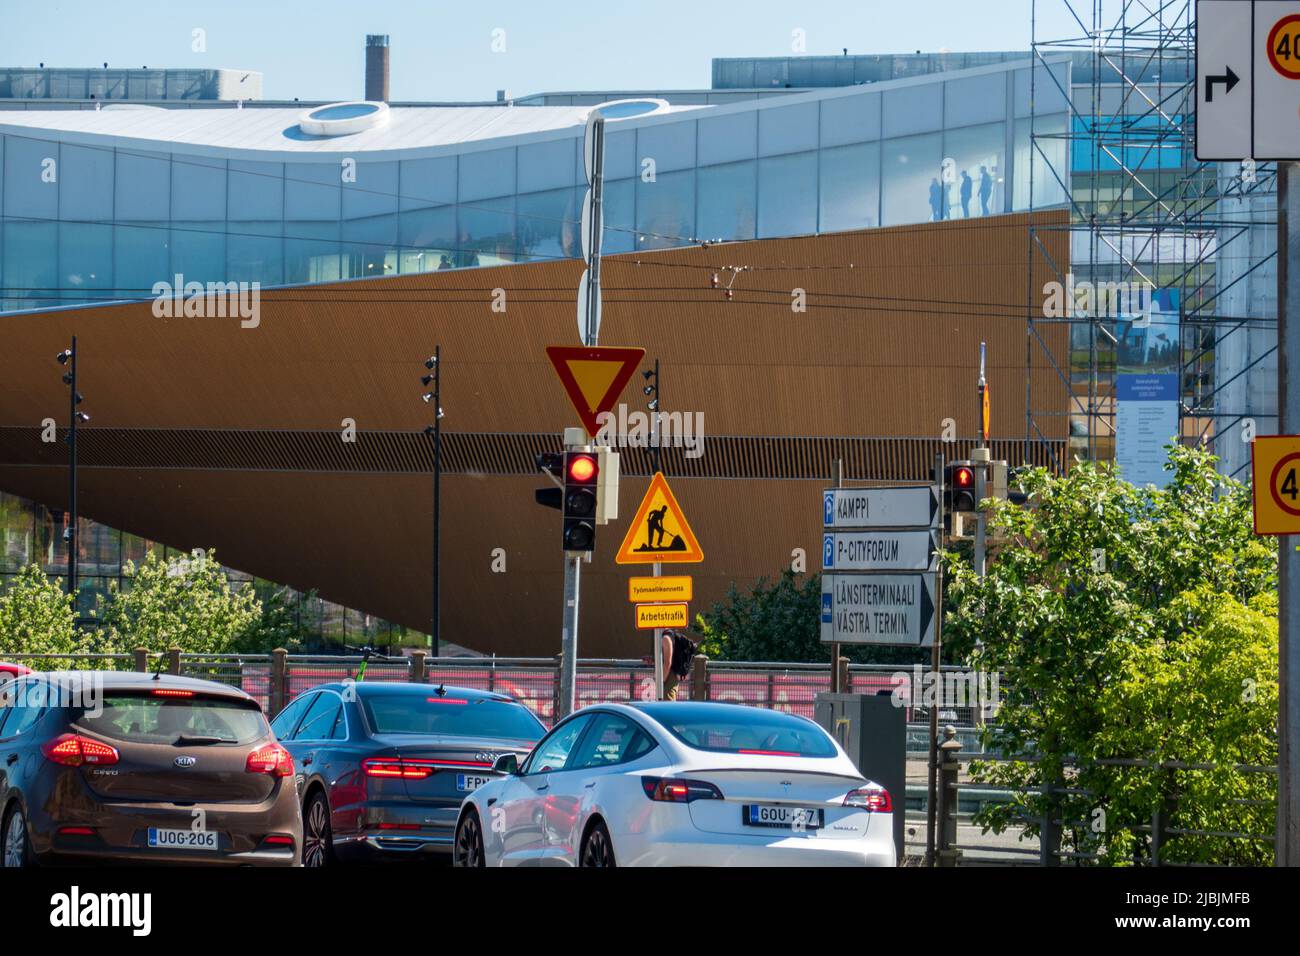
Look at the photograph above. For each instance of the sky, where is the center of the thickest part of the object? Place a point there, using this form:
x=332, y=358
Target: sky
x=444, y=51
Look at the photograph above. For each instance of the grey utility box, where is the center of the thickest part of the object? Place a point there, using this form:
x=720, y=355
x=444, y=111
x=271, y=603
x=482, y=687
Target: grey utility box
x=873, y=732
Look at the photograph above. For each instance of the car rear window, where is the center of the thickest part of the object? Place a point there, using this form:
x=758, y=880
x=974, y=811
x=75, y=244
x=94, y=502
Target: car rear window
x=745, y=730
x=146, y=718
x=457, y=716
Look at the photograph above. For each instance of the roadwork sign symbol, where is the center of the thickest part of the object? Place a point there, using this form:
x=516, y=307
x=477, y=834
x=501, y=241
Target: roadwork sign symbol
x=659, y=532
x=1275, y=463
x=593, y=377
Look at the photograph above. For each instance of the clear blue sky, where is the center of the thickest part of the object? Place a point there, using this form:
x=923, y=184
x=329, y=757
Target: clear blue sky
x=442, y=50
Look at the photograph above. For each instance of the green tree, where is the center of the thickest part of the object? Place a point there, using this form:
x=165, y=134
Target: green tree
x=1096, y=601
x=185, y=601
x=278, y=625
x=36, y=617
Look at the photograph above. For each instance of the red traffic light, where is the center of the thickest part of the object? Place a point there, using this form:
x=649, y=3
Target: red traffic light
x=582, y=468
x=963, y=477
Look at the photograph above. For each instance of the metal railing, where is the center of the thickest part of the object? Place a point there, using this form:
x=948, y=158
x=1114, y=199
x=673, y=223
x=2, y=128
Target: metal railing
x=1056, y=840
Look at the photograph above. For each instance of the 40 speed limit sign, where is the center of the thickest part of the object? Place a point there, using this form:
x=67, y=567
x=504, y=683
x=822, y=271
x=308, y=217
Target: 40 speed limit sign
x=1275, y=466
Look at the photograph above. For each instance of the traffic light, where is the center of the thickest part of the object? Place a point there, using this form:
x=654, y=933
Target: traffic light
x=581, y=475
x=551, y=462
x=959, y=488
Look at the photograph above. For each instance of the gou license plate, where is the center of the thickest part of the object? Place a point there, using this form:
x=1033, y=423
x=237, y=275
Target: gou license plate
x=182, y=839
x=783, y=817
x=468, y=782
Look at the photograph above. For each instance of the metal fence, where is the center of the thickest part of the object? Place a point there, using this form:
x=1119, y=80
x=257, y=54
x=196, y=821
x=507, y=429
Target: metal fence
x=276, y=679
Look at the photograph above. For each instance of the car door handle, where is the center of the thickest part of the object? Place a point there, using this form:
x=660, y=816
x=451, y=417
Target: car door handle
x=13, y=759
x=588, y=786
x=545, y=786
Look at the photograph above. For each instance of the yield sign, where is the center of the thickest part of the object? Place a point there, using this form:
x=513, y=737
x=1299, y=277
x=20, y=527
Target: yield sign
x=659, y=532
x=593, y=377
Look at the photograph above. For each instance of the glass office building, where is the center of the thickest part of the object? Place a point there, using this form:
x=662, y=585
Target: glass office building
x=101, y=205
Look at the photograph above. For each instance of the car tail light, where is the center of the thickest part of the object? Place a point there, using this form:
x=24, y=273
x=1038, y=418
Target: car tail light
x=74, y=750
x=76, y=831
x=678, y=789
x=445, y=700
x=873, y=799
x=270, y=759
x=278, y=839
x=407, y=768
x=171, y=692
x=395, y=768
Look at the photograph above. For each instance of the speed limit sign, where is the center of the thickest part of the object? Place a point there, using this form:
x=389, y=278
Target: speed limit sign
x=1275, y=466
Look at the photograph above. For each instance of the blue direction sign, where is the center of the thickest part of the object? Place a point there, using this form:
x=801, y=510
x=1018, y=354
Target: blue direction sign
x=896, y=609
x=900, y=506
x=884, y=550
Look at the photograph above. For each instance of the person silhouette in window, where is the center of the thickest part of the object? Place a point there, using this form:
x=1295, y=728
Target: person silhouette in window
x=936, y=199
x=986, y=189
x=967, y=184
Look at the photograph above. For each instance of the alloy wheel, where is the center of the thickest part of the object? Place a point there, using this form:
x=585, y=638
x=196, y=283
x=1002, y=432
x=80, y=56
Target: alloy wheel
x=597, y=849
x=316, y=835
x=469, y=842
x=15, y=844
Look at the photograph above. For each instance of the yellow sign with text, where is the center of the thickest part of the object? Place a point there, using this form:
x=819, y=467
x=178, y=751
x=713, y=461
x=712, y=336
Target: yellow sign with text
x=645, y=590
x=1275, y=465
x=650, y=616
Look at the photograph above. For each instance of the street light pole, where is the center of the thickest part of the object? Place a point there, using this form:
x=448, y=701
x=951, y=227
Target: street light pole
x=434, y=364
x=72, y=472
x=68, y=357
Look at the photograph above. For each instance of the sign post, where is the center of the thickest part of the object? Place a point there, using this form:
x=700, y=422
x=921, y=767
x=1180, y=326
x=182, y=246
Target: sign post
x=881, y=579
x=659, y=534
x=1248, y=108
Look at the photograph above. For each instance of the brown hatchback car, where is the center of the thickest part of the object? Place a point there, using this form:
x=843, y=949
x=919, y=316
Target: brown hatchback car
x=142, y=768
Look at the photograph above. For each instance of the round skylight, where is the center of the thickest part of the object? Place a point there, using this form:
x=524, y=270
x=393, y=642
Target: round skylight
x=343, y=119
x=626, y=109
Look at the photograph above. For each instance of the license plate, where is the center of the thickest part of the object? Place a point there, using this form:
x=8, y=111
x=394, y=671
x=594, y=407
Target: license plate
x=182, y=839
x=467, y=782
x=783, y=817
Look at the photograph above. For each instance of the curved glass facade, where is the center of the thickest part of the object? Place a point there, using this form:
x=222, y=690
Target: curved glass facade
x=84, y=222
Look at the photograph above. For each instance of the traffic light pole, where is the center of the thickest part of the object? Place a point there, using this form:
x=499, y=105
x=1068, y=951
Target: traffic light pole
x=589, y=324
x=569, y=636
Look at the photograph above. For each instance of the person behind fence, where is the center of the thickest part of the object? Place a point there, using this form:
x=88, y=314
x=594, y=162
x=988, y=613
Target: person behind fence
x=678, y=650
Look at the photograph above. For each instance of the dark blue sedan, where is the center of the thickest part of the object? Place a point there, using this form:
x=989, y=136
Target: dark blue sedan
x=382, y=768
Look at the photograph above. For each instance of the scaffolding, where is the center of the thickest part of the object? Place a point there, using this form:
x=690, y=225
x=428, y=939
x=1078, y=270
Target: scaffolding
x=1144, y=214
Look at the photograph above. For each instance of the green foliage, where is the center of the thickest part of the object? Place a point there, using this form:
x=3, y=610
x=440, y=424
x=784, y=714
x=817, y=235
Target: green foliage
x=775, y=621
x=36, y=618
x=1123, y=621
x=185, y=601
x=278, y=625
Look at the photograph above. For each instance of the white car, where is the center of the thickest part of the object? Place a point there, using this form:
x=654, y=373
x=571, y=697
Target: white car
x=678, y=784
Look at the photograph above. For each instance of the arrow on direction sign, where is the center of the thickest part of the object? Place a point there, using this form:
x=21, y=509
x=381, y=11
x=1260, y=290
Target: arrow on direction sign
x=895, y=609
x=1228, y=79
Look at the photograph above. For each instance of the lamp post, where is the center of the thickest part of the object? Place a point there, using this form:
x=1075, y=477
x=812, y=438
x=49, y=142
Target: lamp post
x=434, y=398
x=68, y=358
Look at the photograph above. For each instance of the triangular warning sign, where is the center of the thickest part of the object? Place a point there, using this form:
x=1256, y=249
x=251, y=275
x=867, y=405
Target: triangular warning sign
x=593, y=377
x=659, y=532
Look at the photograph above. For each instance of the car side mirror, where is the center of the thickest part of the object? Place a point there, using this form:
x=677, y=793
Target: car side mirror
x=507, y=764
